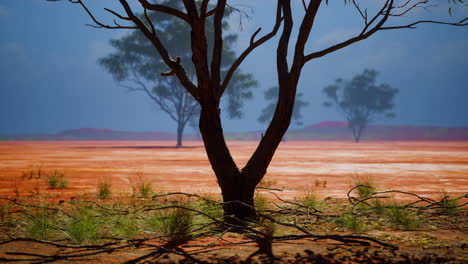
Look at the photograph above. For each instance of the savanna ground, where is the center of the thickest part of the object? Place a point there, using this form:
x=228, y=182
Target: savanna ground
x=54, y=193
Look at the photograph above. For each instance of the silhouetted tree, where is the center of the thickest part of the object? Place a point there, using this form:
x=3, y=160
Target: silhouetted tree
x=137, y=67
x=238, y=184
x=361, y=100
x=271, y=95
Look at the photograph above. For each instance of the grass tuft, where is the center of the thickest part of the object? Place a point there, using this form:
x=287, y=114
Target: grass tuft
x=401, y=217
x=174, y=224
x=352, y=223
x=84, y=227
x=365, y=183
x=104, y=188
x=448, y=205
x=57, y=180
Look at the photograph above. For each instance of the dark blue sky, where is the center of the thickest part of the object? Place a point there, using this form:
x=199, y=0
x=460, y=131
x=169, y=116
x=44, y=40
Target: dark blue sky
x=49, y=79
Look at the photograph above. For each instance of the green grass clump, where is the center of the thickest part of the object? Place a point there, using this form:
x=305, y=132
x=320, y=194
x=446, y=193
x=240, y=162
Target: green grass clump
x=311, y=200
x=84, y=227
x=57, y=180
x=40, y=224
x=174, y=224
x=125, y=226
x=141, y=187
x=365, y=185
x=352, y=223
x=448, y=205
x=401, y=217
x=104, y=189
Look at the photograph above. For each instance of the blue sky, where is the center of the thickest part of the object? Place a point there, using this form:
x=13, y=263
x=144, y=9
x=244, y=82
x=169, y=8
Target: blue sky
x=50, y=81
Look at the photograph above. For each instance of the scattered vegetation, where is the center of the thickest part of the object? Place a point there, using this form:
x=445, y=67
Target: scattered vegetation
x=84, y=225
x=176, y=218
x=352, y=223
x=141, y=187
x=447, y=204
x=56, y=180
x=175, y=223
x=365, y=185
x=104, y=188
x=401, y=217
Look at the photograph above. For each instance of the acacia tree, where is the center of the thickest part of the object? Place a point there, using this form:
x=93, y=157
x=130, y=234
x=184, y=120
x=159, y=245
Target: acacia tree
x=361, y=100
x=271, y=95
x=137, y=67
x=238, y=184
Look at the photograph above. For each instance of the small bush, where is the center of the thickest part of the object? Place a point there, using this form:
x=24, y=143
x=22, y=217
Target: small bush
x=84, y=227
x=104, y=188
x=56, y=180
x=260, y=201
x=352, y=223
x=366, y=186
x=174, y=224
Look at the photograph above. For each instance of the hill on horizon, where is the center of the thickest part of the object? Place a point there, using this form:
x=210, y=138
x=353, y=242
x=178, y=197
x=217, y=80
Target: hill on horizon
x=323, y=131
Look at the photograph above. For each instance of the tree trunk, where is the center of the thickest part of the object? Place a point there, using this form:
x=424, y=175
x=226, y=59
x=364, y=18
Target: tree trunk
x=180, y=133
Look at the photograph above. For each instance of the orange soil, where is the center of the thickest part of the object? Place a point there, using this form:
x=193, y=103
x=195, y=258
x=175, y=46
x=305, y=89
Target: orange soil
x=421, y=167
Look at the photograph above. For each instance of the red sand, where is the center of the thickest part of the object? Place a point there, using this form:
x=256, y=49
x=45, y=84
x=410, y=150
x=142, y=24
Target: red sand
x=421, y=167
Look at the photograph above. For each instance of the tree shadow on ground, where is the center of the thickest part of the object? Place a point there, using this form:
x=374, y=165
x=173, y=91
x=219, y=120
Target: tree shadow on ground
x=146, y=251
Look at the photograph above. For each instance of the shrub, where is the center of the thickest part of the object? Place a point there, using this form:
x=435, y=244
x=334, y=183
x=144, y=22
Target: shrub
x=310, y=200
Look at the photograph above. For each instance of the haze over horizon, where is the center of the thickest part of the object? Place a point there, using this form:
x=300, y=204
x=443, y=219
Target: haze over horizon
x=50, y=80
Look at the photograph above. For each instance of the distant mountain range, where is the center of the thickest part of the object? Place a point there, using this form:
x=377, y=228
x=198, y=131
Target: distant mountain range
x=328, y=130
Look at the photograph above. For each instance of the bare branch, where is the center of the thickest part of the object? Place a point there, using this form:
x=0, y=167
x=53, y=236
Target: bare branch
x=100, y=24
x=253, y=45
x=153, y=38
x=461, y=23
x=164, y=9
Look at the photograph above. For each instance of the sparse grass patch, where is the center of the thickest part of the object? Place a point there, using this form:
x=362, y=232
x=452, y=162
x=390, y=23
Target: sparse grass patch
x=125, y=226
x=365, y=185
x=310, y=199
x=141, y=187
x=84, y=227
x=56, y=180
x=401, y=217
x=448, y=205
x=352, y=223
x=40, y=224
x=174, y=224
x=104, y=188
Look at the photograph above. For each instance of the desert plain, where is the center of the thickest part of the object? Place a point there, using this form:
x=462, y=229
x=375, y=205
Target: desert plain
x=329, y=168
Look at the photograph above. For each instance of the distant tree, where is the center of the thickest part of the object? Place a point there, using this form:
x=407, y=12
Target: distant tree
x=271, y=95
x=361, y=100
x=137, y=67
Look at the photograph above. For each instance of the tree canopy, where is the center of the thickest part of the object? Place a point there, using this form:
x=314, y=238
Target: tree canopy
x=137, y=67
x=271, y=95
x=361, y=100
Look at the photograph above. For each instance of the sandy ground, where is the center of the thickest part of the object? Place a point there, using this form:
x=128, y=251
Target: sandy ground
x=421, y=167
